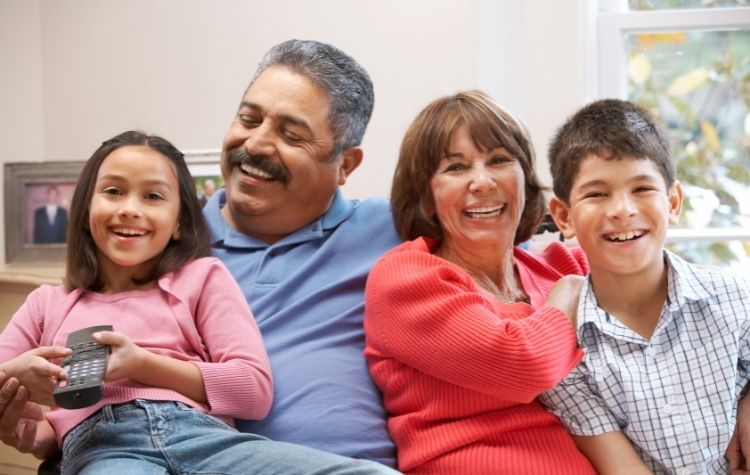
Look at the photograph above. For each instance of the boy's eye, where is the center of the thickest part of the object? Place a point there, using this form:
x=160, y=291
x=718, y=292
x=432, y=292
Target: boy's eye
x=594, y=194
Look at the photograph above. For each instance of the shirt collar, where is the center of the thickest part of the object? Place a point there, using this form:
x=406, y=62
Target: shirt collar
x=684, y=282
x=337, y=212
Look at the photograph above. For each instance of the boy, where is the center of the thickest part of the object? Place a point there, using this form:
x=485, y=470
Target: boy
x=666, y=342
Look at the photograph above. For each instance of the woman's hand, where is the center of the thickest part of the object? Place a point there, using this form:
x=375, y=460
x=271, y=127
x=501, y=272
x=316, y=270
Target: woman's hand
x=126, y=356
x=36, y=373
x=564, y=296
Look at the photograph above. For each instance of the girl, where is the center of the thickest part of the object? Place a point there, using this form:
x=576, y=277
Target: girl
x=187, y=356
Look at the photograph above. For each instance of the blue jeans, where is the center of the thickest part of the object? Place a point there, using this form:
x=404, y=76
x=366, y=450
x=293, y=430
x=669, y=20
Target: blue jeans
x=151, y=437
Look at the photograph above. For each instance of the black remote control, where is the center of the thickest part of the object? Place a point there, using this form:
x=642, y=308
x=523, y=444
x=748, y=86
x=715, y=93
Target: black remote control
x=86, y=367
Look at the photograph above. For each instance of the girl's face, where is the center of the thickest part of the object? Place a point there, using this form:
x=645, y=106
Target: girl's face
x=134, y=212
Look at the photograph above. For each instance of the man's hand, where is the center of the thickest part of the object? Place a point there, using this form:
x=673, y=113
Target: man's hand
x=18, y=416
x=739, y=445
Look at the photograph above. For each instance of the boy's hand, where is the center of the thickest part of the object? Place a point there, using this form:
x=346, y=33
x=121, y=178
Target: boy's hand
x=125, y=358
x=37, y=373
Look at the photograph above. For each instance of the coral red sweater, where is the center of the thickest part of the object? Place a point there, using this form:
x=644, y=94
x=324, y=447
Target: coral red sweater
x=460, y=371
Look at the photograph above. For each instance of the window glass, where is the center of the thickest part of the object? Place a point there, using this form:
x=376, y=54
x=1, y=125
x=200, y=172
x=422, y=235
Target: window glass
x=677, y=4
x=698, y=84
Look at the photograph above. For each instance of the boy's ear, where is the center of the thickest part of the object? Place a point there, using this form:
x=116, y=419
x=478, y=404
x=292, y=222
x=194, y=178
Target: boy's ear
x=350, y=160
x=674, y=196
x=560, y=213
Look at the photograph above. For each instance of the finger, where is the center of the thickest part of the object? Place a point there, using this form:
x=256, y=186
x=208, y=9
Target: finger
x=107, y=338
x=26, y=435
x=52, y=352
x=8, y=391
x=12, y=413
x=733, y=452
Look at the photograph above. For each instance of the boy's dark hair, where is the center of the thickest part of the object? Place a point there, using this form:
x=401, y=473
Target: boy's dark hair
x=612, y=129
x=82, y=270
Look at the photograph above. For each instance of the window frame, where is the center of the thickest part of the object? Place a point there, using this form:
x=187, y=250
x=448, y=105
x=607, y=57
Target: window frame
x=614, y=20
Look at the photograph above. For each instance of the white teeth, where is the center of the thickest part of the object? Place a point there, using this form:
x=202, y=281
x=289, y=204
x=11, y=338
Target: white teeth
x=624, y=236
x=129, y=232
x=251, y=170
x=487, y=212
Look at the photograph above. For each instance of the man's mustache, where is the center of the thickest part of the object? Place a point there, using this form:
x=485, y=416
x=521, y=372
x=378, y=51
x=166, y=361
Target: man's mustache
x=240, y=155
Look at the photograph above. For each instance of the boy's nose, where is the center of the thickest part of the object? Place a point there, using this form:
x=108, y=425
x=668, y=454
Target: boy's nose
x=622, y=206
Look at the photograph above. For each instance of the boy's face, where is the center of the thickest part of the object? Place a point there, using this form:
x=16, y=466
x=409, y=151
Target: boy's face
x=619, y=211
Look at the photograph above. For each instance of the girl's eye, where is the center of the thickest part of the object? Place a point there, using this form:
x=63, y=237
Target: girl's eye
x=154, y=196
x=112, y=191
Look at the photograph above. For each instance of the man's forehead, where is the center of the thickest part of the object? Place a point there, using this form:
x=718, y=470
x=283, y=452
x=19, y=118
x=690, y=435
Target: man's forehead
x=287, y=90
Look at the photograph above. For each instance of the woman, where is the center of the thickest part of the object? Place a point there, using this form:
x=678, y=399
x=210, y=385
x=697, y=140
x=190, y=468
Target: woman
x=465, y=329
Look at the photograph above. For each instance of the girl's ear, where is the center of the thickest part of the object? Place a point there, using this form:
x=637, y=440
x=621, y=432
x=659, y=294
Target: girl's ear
x=176, y=235
x=674, y=196
x=560, y=213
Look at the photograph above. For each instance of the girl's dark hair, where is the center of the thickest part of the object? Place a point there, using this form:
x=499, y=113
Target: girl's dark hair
x=82, y=269
x=426, y=142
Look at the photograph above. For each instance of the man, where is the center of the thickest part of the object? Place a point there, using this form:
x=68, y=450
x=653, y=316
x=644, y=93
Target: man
x=299, y=250
x=207, y=191
x=50, y=220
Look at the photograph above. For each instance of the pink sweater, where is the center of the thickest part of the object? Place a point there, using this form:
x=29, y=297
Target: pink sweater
x=460, y=371
x=196, y=314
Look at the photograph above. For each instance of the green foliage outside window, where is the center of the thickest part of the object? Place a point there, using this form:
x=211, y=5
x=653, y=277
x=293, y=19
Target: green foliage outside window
x=698, y=84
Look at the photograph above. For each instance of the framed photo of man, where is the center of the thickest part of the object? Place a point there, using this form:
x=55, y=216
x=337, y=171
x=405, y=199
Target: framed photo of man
x=37, y=205
x=206, y=170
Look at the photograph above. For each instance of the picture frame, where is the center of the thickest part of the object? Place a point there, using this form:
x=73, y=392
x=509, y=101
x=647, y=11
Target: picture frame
x=205, y=167
x=28, y=187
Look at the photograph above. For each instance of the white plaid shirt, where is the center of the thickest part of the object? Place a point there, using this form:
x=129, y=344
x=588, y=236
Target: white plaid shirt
x=676, y=395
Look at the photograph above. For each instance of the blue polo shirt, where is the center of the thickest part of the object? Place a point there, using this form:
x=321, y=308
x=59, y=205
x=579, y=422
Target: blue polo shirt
x=307, y=294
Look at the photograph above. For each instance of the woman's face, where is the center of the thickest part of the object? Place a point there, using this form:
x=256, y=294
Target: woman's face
x=479, y=195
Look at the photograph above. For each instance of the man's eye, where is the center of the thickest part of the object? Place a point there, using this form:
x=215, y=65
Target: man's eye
x=292, y=137
x=249, y=120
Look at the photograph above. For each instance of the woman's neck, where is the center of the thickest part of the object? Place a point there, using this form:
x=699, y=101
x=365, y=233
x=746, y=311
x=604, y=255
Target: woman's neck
x=493, y=271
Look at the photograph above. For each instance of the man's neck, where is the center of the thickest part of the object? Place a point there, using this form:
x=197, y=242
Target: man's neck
x=636, y=300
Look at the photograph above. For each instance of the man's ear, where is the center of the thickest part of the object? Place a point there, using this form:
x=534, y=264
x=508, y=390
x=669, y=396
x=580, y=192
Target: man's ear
x=560, y=213
x=350, y=160
x=674, y=196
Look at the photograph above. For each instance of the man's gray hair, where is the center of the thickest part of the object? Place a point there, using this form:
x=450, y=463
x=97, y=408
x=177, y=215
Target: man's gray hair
x=348, y=84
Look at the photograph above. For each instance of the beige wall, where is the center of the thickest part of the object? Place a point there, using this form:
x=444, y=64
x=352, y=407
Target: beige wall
x=77, y=72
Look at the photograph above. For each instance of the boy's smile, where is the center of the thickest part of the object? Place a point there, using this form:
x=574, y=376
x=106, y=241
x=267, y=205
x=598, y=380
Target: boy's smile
x=619, y=211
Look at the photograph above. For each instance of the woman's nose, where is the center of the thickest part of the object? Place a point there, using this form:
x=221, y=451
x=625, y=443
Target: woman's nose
x=481, y=180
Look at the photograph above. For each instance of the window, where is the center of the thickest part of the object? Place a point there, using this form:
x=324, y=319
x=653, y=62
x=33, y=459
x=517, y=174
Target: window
x=688, y=61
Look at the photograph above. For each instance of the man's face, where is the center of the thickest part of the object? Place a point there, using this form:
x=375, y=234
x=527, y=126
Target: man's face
x=276, y=157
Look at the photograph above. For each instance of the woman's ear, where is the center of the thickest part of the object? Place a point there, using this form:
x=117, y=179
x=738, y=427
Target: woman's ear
x=560, y=213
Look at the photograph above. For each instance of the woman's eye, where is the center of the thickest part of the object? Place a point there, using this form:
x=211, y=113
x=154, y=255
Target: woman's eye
x=454, y=167
x=500, y=159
